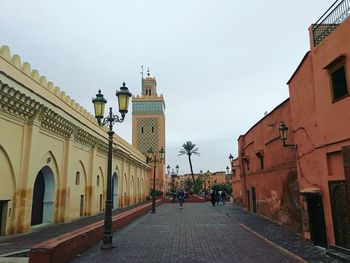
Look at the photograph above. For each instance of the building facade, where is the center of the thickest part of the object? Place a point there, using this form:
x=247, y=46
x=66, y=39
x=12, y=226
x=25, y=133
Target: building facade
x=269, y=180
x=237, y=192
x=148, y=125
x=53, y=154
x=320, y=103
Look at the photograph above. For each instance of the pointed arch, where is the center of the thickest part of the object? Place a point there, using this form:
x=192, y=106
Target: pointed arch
x=8, y=180
x=43, y=202
x=7, y=191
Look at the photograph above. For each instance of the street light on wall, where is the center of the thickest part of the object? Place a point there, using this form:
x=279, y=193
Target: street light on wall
x=99, y=102
x=153, y=157
x=283, y=130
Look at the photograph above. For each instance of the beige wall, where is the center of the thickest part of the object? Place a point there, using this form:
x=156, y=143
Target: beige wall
x=41, y=127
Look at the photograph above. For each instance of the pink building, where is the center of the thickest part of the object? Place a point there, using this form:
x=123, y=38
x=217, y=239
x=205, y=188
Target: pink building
x=269, y=176
x=320, y=107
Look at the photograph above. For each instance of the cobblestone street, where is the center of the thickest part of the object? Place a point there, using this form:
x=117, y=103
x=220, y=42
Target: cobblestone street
x=201, y=233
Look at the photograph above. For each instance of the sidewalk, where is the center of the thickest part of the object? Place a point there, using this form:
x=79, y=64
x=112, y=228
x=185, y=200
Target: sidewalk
x=278, y=234
x=201, y=233
x=20, y=242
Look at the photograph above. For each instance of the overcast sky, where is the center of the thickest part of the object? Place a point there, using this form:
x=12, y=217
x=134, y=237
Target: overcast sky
x=219, y=64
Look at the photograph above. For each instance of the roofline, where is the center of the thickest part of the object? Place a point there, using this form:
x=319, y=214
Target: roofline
x=300, y=64
x=279, y=105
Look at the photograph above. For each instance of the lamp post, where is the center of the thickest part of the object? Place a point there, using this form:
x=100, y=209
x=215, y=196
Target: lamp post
x=99, y=102
x=153, y=157
x=283, y=130
x=173, y=176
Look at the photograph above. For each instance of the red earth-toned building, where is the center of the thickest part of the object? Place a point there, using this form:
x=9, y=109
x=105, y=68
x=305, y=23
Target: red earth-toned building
x=269, y=176
x=304, y=181
x=320, y=107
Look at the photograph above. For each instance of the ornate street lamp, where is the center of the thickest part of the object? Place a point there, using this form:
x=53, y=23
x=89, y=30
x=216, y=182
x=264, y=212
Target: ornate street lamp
x=230, y=158
x=173, y=176
x=227, y=170
x=168, y=169
x=153, y=157
x=99, y=105
x=283, y=130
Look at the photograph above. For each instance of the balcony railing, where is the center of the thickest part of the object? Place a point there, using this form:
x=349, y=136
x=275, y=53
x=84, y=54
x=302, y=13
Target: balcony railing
x=332, y=18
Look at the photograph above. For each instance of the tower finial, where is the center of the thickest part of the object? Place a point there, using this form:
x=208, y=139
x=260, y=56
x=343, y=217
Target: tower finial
x=148, y=72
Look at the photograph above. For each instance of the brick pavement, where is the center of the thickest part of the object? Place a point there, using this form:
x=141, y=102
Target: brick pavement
x=278, y=234
x=11, y=244
x=201, y=233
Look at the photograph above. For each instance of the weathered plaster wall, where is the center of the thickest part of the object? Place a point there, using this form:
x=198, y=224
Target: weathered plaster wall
x=274, y=178
x=43, y=129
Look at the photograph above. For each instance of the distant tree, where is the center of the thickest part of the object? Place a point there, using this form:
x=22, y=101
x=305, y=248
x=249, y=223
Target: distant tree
x=189, y=148
x=198, y=187
x=188, y=184
x=223, y=187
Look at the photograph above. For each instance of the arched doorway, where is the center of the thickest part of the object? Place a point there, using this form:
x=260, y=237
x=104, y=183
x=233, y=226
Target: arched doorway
x=7, y=188
x=115, y=190
x=43, y=197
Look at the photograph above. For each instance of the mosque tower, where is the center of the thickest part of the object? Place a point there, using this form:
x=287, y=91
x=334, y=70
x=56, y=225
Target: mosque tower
x=148, y=124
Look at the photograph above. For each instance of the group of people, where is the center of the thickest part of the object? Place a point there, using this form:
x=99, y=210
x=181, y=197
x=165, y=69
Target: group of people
x=217, y=197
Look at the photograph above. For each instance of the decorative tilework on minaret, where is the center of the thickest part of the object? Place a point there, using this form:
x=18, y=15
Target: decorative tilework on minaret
x=148, y=122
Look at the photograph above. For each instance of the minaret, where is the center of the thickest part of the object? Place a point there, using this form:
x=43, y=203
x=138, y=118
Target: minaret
x=148, y=123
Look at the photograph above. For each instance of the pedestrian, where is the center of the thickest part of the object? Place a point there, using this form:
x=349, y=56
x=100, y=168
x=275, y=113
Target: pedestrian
x=181, y=197
x=223, y=196
x=174, y=196
x=213, y=198
x=217, y=197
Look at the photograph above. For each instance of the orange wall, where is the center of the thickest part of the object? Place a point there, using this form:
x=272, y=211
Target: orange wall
x=275, y=183
x=321, y=127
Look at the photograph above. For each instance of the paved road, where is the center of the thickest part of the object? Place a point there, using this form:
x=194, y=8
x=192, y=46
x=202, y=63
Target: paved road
x=201, y=233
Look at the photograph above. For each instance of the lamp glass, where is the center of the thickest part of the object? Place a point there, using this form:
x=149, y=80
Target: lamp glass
x=123, y=98
x=168, y=168
x=99, y=105
x=230, y=158
x=162, y=153
x=99, y=109
x=177, y=169
x=283, y=129
x=123, y=103
x=227, y=169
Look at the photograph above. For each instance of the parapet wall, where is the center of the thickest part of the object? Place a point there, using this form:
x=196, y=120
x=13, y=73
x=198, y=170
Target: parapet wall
x=21, y=72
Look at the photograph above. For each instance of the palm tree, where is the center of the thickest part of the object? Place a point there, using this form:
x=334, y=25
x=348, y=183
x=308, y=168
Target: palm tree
x=189, y=148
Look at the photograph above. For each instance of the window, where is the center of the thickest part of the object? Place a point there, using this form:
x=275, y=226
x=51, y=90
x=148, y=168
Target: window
x=142, y=130
x=337, y=75
x=260, y=155
x=152, y=129
x=98, y=181
x=77, y=178
x=339, y=85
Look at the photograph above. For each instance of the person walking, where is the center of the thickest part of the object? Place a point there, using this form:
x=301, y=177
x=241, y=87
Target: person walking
x=223, y=196
x=181, y=197
x=213, y=198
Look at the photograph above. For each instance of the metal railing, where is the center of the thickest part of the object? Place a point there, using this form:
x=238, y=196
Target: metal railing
x=332, y=18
